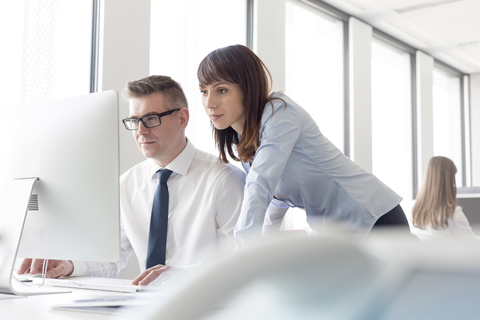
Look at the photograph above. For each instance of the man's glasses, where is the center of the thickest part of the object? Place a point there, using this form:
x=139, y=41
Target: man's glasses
x=150, y=121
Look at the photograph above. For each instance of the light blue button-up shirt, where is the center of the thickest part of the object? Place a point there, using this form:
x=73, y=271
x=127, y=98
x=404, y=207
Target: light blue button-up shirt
x=297, y=166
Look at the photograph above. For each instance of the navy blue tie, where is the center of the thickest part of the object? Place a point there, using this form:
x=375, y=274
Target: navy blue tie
x=157, y=237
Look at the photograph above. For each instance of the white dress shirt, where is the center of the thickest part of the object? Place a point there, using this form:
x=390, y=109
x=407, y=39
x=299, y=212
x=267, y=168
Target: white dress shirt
x=205, y=198
x=458, y=229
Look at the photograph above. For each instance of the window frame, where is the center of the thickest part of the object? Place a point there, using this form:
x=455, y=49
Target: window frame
x=95, y=49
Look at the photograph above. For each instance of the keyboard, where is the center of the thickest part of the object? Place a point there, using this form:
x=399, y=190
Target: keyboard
x=103, y=284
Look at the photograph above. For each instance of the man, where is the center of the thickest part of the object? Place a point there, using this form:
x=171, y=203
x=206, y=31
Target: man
x=204, y=196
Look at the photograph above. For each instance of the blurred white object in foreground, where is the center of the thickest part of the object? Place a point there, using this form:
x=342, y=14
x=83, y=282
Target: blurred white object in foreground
x=333, y=276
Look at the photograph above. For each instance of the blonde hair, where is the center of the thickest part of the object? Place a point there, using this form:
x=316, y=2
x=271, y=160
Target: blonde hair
x=437, y=199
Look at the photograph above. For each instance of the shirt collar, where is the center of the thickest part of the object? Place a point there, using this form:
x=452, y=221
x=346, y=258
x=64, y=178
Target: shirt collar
x=180, y=164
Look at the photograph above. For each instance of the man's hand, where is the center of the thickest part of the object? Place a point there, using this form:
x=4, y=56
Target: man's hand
x=55, y=268
x=149, y=275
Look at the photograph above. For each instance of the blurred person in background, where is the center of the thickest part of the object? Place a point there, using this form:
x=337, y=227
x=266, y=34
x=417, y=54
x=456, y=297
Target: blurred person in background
x=435, y=214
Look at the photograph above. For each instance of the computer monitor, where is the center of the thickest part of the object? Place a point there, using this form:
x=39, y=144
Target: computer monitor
x=72, y=146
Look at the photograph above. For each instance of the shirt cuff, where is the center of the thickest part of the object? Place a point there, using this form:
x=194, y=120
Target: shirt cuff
x=279, y=204
x=79, y=268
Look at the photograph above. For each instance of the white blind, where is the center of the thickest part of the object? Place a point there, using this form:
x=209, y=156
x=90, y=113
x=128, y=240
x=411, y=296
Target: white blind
x=40, y=50
x=49, y=44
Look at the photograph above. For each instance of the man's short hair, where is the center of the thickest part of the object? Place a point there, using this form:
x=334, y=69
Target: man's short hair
x=169, y=88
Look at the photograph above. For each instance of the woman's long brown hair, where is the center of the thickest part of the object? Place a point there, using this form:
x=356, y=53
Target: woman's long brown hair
x=437, y=199
x=237, y=64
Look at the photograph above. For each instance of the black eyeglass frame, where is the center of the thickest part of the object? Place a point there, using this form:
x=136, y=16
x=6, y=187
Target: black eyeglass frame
x=159, y=115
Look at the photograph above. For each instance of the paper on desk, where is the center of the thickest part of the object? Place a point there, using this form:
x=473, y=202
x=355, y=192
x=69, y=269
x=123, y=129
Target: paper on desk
x=114, y=300
x=123, y=304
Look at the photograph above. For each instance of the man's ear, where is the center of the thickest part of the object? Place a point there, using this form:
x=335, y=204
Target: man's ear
x=184, y=116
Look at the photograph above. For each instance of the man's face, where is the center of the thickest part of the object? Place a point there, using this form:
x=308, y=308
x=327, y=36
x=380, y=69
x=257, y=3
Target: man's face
x=164, y=142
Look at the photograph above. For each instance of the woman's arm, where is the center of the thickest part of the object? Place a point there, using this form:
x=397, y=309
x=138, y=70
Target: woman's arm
x=229, y=195
x=274, y=217
x=277, y=140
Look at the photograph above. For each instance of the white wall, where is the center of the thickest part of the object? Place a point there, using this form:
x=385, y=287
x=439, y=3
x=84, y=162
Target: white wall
x=360, y=76
x=124, y=56
x=269, y=38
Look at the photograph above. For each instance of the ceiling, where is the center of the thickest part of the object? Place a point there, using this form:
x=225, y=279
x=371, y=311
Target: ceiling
x=448, y=30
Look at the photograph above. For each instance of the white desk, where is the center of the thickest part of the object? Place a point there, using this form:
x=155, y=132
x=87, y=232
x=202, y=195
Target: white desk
x=40, y=306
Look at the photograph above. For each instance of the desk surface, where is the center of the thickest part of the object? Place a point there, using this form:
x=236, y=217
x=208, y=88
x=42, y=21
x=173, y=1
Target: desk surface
x=41, y=306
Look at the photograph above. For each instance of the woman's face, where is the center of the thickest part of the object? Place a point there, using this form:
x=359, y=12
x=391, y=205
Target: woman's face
x=223, y=102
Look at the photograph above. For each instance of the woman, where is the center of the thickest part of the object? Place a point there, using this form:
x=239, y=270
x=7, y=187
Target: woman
x=435, y=214
x=289, y=163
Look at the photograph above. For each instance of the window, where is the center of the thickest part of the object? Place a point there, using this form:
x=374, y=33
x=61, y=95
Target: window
x=49, y=46
x=447, y=138
x=182, y=33
x=314, y=67
x=391, y=118
x=314, y=58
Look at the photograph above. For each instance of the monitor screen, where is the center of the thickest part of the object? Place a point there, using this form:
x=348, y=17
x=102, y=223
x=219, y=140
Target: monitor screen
x=72, y=146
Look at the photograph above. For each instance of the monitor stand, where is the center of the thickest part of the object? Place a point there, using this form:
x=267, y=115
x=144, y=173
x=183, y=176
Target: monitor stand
x=13, y=213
